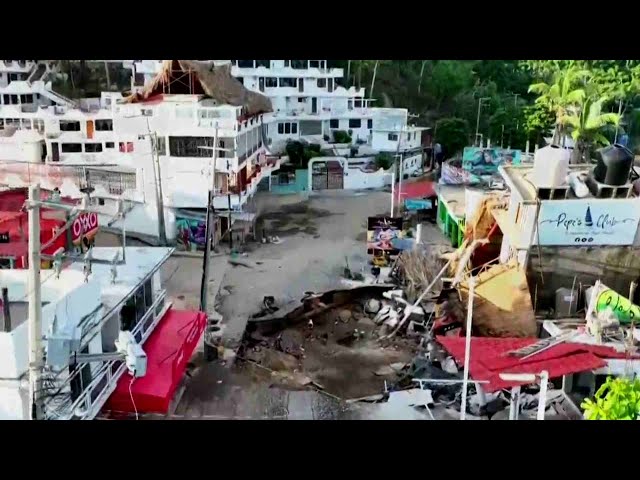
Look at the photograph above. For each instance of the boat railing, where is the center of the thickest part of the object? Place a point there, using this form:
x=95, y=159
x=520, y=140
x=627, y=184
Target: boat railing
x=104, y=381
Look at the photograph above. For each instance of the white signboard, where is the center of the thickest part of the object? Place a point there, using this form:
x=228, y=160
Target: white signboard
x=588, y=222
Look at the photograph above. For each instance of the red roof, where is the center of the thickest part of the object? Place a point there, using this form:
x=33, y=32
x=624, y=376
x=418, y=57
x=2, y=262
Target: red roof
x=420, y=189
x=489, y=359
x=169, y=349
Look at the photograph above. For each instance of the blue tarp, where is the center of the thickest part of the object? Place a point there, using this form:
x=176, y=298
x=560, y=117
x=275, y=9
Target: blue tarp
x=415, y=204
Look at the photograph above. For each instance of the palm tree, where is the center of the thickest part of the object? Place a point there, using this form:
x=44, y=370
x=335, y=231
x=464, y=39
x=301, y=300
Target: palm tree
x=424, y=62
x=373, y=79
x=586, y=122
x=565, y=90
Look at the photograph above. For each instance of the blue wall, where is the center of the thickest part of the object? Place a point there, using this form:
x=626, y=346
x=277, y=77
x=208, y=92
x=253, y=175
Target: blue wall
x=301, y=184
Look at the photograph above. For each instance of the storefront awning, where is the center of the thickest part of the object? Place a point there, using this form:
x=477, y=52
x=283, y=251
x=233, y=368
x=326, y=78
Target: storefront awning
x=168, y=350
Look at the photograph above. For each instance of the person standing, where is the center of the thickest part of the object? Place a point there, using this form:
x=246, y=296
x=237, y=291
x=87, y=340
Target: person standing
x=438, y=155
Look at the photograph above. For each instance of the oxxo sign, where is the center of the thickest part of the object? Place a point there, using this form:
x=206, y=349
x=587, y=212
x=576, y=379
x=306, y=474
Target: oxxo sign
x=85, y=225
x=592, y=222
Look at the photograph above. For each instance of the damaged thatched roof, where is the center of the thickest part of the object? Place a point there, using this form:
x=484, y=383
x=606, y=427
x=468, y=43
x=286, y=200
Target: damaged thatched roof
x=203, y=78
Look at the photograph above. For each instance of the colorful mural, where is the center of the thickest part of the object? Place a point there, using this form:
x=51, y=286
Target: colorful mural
x=485, y=161
x=191, y=231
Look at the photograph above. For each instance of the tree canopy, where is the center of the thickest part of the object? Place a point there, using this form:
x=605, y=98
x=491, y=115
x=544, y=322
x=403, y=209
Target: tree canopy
x=512, y=113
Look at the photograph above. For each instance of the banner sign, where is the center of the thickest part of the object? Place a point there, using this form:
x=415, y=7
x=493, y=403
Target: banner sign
x=606, y=299
x=591, y=222
x=85, y=226
x=381, y=232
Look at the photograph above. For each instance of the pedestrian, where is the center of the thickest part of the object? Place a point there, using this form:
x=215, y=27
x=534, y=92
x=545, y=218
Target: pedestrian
x=437, y=150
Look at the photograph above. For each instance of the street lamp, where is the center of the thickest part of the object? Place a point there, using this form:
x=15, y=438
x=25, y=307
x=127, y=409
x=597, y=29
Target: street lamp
x=480, y=100
x=515, y=391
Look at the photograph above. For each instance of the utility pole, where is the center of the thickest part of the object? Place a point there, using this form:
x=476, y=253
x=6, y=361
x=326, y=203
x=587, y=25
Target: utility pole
x=480, y=100
x=162, y=232
x=399, y=157
x=35, y=303
x=229, y=208
x=157, y=180
x=209, y=230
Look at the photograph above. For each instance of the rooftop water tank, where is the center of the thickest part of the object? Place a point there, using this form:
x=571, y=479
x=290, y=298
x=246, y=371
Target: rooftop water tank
x=550, y=166
x=614, y=165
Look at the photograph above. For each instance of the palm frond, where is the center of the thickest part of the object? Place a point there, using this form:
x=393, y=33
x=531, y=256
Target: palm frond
x=539, y=88
x=576, y=96
x=600, y=139
x=571, y=120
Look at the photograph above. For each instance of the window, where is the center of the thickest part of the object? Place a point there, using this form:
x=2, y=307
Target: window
x=92, y=147
x=370, y=124
x=245, y=63
x=26, y=98
x=334, y=123
x=71, y=147
x=104, y=125
x=288, y=82
x=146, y=112
x=5, y=99
x=14, y=99
x=322, y=82
x=263, y=63
x=281, y=128
x=271, y=82
x=301, y=99
x=287, y=128
x=330, y=84
x=314, y=63
x=287, y=63
x=354, y=123
x=160, y=146
x=109, y=145
x=69, y=126
x=125, y=147
x=299, y=64
x=101, y=201
x=294, y=128
x=357, y=103
x=393, y=137
x=190, y=146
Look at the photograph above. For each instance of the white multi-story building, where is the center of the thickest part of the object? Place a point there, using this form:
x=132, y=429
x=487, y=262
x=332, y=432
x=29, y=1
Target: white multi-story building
x=307, y=101
x=183, y=107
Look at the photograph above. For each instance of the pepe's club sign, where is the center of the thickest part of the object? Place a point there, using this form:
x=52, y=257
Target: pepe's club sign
x=598, y=222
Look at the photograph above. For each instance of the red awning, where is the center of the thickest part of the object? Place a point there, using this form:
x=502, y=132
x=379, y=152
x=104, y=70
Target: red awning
x=489, y=358
x=168, y=350
x=418, y=190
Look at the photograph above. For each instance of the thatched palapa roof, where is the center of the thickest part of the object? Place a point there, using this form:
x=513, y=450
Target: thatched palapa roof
x=203, y=78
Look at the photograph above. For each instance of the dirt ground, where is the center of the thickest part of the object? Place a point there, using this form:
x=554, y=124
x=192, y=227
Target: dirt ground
x=318, y=237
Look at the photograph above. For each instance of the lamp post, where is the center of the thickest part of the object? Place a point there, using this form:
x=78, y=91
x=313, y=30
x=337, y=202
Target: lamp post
x=480, y=100
x=515, y=392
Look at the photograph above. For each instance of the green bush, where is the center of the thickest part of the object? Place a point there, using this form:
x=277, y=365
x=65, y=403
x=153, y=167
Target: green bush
x=383, y=160
x=299, y=153
x=340, y=136
x=616, y=399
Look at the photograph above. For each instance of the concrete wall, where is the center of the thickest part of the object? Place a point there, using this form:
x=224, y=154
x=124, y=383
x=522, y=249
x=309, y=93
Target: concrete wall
x=357, y=179
x=616, y=267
